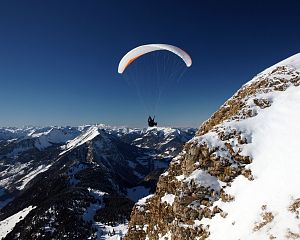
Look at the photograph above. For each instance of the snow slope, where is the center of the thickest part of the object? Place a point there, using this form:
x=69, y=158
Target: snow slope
x=56, y=135
x=9, y=223
x=31, y=175
x=292, y=61
x=92, y=132
x=238, y=177
x=262, y=208
x=275, y=150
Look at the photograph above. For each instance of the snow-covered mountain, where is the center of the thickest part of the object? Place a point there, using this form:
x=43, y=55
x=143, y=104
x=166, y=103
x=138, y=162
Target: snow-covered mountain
x=13, y=133
x=238, y=177
x=79, y=182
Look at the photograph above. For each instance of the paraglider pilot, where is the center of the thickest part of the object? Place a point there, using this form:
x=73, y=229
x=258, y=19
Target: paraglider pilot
x=151, y=122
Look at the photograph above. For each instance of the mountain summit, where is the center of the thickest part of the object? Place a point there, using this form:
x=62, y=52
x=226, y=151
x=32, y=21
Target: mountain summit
x=238, y=177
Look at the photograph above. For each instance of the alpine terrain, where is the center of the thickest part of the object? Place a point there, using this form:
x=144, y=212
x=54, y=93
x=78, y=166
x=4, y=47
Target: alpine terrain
x=79, y=182
x=238, y=177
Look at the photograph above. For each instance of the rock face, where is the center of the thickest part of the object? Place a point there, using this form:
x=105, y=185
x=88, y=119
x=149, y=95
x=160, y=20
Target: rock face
x=237, y=178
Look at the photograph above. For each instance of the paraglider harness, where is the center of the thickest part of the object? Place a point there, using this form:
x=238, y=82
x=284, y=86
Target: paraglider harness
x=151, y=122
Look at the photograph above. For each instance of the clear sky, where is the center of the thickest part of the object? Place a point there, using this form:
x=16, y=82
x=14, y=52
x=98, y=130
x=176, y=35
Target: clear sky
x=59, y=58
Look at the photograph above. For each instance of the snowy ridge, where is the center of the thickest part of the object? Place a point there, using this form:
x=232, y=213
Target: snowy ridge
x=7, y=133
x=40, y=138
x=91, y=133
x=142, y=202
x=292, y=62
x=275, y=166
x=54, y=136
x=238, y=177
x=32, y=174
x=271, y=133
x=140, y=136
x=9, y=223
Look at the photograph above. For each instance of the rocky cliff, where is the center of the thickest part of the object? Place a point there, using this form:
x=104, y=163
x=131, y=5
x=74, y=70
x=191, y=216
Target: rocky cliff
x=238, y=177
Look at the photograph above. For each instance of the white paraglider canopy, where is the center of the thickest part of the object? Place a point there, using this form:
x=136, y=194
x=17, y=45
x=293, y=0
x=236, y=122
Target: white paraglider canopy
x=144, y=49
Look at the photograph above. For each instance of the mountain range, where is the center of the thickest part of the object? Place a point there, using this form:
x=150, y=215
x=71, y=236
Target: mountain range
x=79, y=182
x=235, y=177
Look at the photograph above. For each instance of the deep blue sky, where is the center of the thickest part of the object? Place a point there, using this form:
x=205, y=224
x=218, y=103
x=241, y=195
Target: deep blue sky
x=59, y=58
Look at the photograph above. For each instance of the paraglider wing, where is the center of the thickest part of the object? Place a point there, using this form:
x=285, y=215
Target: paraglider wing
x=144, y=49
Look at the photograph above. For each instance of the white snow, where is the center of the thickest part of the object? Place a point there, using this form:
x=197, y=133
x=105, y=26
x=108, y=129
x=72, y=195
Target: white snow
x=91, y=210
x=91, y=133
x=8, y=176
x=105, y=232
x=275, y=149
x=142, y=202
x=45, y=137
x=32, y=174
x=204, y=179
x=180, y=177
x=167, y=236
x=73, y=171
x=138, y=139
x=168, y=198
x=7, y=133
x=272, y=136
x=293, y=61
x=9, y=223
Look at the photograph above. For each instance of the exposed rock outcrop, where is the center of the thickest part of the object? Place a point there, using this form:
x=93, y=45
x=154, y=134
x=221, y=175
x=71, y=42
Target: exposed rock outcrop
x=191, y=193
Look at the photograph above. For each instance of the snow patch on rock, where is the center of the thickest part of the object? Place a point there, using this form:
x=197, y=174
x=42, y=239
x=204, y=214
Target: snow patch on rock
x=168, y=198
x=7, y=225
